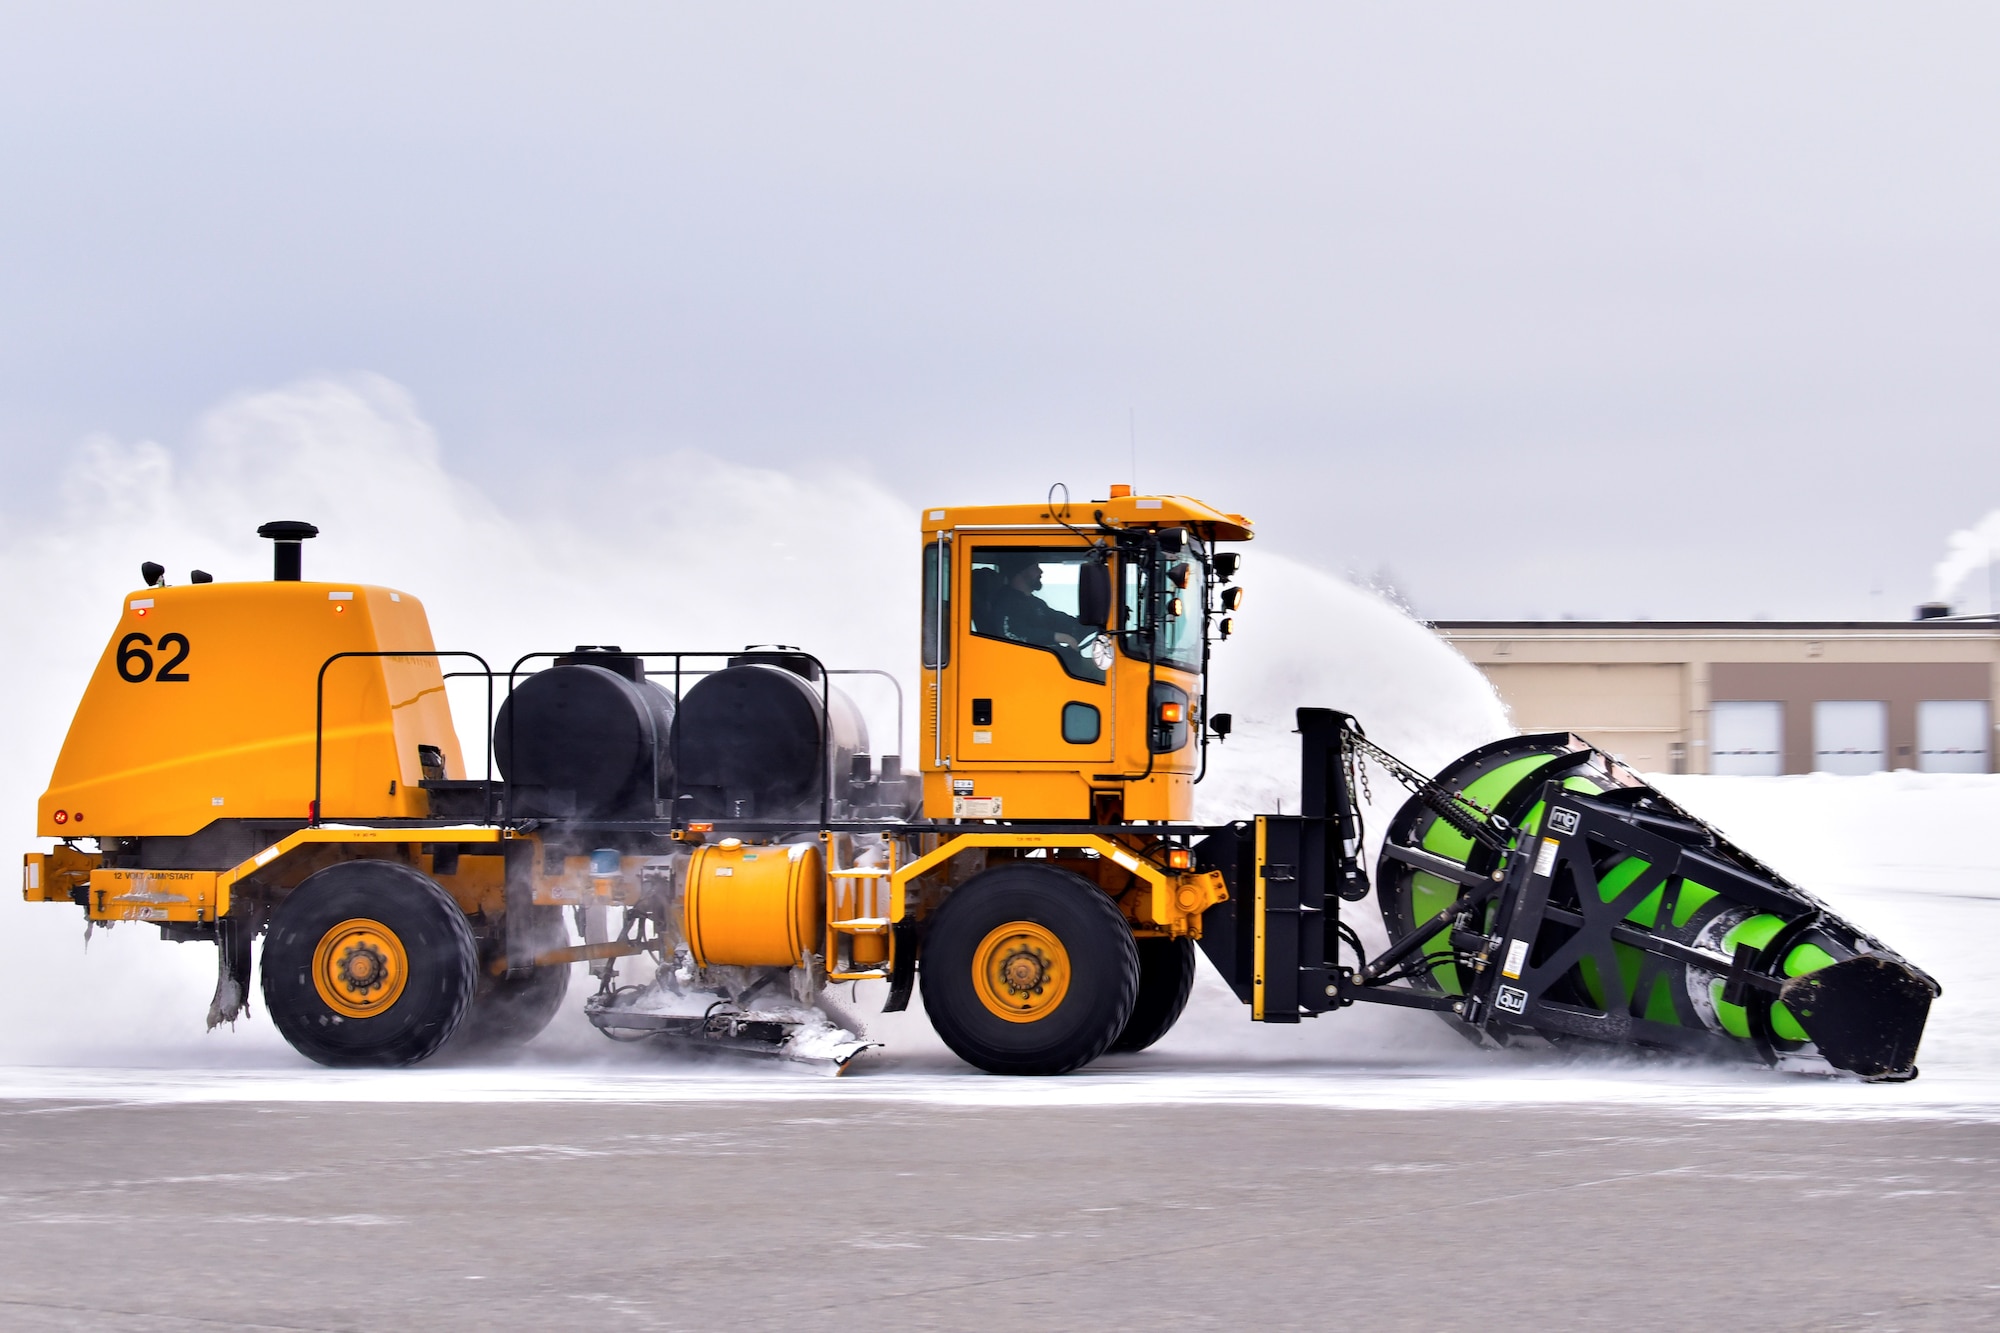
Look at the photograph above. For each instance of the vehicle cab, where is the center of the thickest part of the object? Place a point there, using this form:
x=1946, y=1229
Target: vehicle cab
x=1065, y=652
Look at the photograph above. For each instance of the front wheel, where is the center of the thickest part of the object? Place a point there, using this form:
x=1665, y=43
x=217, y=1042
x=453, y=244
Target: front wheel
x=368, y=963
x=1029, y=969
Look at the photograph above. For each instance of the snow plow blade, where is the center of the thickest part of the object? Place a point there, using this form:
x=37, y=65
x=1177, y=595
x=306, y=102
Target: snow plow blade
x=1864, y=1014
x=1537, y=890
x=1551, y=892
x=807, y=1037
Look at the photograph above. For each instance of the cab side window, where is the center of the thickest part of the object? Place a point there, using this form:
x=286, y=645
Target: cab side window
x=937, y=604
x=1028, y=596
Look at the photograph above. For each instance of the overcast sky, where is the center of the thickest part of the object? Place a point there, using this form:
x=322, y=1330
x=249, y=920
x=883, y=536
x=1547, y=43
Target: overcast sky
x=1540, y=309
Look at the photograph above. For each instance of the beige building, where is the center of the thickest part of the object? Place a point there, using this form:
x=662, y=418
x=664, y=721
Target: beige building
x=1753, y=697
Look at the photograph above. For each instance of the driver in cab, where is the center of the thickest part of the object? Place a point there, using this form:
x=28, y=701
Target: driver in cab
x=1026, y=618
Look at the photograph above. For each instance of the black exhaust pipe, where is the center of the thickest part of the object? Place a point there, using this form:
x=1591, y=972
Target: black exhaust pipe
x=286, y=534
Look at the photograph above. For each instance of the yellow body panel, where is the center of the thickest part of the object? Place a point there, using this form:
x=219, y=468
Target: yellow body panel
x=207, y=893
x=1019, y=791
x=1173, y=901
x=152, y=895
x=202, y=707
x=53, y=877
x=203, y=895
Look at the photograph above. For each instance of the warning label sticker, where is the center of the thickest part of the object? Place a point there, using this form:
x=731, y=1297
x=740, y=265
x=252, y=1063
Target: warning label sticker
x=1545, y=859
x=961, y=786
x=975, y=807
x=1517, y=956
x=1511, y=1000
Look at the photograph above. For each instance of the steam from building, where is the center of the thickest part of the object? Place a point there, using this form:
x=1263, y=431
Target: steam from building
x=1968, y=552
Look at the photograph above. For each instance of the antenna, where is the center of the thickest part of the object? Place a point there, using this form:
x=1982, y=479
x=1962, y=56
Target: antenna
x=1132, y=429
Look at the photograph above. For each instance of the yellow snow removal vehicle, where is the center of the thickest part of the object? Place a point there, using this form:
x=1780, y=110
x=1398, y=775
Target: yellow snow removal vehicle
x=279, y=759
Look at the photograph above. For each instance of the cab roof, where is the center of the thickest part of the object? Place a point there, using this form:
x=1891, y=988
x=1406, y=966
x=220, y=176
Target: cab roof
x=1119, y=511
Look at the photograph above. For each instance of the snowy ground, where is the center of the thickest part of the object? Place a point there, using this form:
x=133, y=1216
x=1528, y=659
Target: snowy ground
x=1906, y=856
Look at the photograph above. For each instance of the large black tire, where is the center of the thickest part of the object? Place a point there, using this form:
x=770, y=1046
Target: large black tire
x=512, y=1010
x=363, y=934
x=1166, y=978
x=1053, y=935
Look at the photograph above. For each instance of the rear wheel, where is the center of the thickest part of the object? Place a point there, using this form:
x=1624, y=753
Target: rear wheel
x=510, y=1010
x=1166, y=978
x=368, y=963
x=1029, y=969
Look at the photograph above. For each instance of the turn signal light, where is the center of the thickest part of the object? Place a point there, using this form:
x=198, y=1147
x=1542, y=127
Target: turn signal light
x=701, y=826
x=1180, y=858
x=1173, y=712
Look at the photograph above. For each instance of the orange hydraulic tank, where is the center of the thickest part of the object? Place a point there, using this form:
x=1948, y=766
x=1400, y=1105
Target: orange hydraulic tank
x=754, y=906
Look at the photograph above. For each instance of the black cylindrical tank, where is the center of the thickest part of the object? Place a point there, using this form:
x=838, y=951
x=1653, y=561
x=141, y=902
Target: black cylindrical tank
x=749, y=740
x=586, y=739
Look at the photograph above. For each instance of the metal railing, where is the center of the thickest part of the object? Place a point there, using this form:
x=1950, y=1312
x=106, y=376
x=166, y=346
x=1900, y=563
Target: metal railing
x=681, y=672
x=319, y=712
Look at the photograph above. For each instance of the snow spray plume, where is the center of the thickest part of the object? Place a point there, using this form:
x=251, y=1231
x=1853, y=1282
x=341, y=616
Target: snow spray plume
x=1968, y=551
x=680, y=550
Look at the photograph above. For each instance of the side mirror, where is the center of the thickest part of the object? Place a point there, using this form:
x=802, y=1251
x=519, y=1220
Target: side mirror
x=1220, y=723
x=1093, y=594
x=1225, y=565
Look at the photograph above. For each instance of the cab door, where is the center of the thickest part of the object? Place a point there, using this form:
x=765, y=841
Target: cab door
x=1034, y=685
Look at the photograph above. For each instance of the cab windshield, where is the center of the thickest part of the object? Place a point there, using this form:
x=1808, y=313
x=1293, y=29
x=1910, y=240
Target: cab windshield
x=1170, y=591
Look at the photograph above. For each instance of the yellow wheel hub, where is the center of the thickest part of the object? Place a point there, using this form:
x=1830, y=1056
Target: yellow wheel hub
x=360, y=968
x=1021, y=971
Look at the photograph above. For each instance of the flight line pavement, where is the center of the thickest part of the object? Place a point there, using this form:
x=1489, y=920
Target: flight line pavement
x=768, y=1214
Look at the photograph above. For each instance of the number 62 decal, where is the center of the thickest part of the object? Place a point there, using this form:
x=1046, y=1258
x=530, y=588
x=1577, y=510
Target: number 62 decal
x=135, y=664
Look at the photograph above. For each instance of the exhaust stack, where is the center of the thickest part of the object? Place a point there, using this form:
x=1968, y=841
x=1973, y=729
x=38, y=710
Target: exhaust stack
x=286, y=535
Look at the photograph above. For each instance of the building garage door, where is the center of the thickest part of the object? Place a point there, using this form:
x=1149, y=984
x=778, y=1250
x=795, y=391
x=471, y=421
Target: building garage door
x=1850, y=736
x=1952, y=735
x=1747, y=739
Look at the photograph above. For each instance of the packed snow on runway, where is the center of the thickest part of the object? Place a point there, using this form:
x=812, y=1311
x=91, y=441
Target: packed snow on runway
x=1904, y=856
